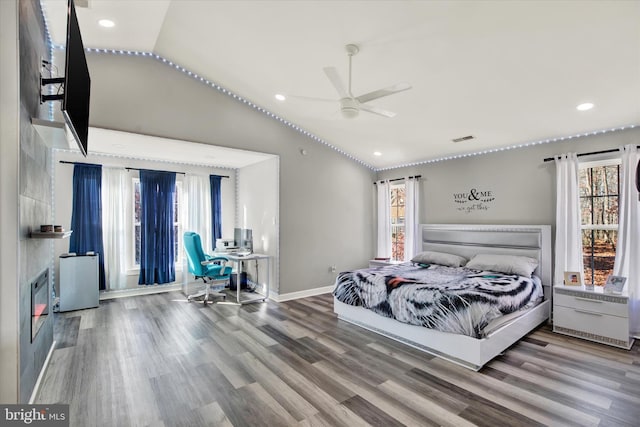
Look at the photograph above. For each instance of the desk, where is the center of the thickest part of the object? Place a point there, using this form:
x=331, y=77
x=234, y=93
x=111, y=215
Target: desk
x=238, y=260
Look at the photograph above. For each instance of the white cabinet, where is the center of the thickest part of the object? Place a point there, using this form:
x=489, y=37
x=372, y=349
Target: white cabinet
x=592, y=315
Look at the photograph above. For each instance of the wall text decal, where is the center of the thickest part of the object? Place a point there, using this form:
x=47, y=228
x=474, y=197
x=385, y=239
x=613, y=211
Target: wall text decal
x=474, y=200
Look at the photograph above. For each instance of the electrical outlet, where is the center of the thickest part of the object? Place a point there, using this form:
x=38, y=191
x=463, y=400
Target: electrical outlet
x=332, y=268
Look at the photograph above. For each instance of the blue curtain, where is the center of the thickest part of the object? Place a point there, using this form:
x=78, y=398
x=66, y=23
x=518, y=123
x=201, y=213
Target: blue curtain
x=157, y=235
x=216, y=208
x=86, y=213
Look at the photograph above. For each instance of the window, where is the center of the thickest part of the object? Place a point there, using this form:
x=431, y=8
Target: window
x=599, y=189
x=137, y=213
x=397, y=222
x=177, y=227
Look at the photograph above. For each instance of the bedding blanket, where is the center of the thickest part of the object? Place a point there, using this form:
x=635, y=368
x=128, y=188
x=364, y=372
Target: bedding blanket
x=449, y=299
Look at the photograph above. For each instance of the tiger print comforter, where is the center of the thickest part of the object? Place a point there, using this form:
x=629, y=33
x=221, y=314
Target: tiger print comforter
x=449, y=299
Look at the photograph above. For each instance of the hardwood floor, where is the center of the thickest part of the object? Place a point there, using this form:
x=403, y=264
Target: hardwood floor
x=160, y=361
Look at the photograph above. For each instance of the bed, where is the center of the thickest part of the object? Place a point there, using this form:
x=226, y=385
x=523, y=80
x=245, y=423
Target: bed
x=472, y=350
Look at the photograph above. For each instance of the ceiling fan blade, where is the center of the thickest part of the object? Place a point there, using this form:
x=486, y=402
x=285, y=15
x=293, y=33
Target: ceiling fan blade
x=376, y=110
x=311, y=98
x=333, y=76
x=400, y=87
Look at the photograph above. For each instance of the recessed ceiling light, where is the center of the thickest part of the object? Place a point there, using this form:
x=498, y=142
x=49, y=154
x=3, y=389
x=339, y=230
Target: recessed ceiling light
x=280, y=97
x=584, y=107
x=377, y=153
x=107, y=23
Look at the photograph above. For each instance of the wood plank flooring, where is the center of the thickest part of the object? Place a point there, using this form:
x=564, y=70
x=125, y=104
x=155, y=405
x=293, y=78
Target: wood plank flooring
x=157, y=360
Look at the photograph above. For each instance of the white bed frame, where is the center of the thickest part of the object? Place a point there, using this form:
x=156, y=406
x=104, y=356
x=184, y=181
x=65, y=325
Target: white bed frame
x=467, y=240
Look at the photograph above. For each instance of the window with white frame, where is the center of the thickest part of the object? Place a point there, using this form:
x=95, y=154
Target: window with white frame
x=397, y=221
x=599, y=196
x=137, y=230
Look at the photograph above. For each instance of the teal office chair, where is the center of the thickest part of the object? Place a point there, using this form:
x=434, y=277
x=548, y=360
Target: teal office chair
x=205, y=267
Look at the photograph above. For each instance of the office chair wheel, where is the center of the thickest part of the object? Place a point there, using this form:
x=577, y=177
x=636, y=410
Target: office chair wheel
x=189, y=299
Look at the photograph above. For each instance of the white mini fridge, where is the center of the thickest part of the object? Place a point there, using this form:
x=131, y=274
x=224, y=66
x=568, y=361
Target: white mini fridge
x=79, y=282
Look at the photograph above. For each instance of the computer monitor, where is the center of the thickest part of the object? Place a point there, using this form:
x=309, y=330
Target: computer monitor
x=243, y=238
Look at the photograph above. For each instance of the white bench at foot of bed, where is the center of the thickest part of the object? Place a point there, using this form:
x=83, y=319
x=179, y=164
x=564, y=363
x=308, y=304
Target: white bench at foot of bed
x=469, y=352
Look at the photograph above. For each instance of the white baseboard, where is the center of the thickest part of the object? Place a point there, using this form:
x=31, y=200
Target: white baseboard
x=301, y=294
x=143, y=290
x=36, y=387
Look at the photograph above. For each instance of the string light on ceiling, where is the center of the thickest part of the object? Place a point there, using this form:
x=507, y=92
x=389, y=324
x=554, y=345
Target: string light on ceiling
x=298, y=128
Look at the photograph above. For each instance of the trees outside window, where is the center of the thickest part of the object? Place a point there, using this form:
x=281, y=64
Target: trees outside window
x=599, y=195
x=397, y=222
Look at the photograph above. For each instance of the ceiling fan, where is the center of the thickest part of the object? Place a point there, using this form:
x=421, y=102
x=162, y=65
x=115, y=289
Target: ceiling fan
x=350, y=106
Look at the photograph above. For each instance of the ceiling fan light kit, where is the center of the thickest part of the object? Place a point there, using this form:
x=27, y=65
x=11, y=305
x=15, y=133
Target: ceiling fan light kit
x=350, y=106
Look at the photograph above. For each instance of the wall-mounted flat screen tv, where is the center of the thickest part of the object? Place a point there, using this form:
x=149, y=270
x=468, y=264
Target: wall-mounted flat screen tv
x=638, y=179
x=77, y=83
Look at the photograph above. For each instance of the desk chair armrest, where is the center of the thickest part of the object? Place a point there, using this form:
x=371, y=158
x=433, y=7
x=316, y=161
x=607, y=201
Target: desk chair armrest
x=215, y=260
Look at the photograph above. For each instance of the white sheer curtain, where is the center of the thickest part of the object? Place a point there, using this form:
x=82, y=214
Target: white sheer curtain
x=412, y=238
x=627, y=263
x=196, y=209
x=384, y=219
x=568, y=234
x=116, y=194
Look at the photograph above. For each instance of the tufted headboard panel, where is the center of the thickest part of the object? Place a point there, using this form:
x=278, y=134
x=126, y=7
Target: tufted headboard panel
x=468, y=240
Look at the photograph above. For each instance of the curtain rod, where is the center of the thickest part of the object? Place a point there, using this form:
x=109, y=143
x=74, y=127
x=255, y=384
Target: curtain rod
x=79, y=163
x=613, y=150
x=155, y=170
x=399, y=179
x=135, y=169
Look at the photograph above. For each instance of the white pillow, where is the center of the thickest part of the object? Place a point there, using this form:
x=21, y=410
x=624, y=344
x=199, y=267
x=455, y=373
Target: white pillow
x=442, y=258
x=508, y=264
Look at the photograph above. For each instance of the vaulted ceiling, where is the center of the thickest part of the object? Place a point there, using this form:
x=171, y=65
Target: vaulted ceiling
x=507, y=73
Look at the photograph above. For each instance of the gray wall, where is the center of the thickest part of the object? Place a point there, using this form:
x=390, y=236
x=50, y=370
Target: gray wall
x=35, y=195
x=325, y=198
x=522, y=185
x=26, y=202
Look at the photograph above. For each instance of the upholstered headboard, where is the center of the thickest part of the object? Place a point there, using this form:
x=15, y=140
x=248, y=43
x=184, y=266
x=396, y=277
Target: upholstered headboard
x=468, y=240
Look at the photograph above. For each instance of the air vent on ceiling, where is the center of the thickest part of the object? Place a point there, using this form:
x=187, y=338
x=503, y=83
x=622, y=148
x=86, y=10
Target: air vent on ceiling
x=463, y=138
